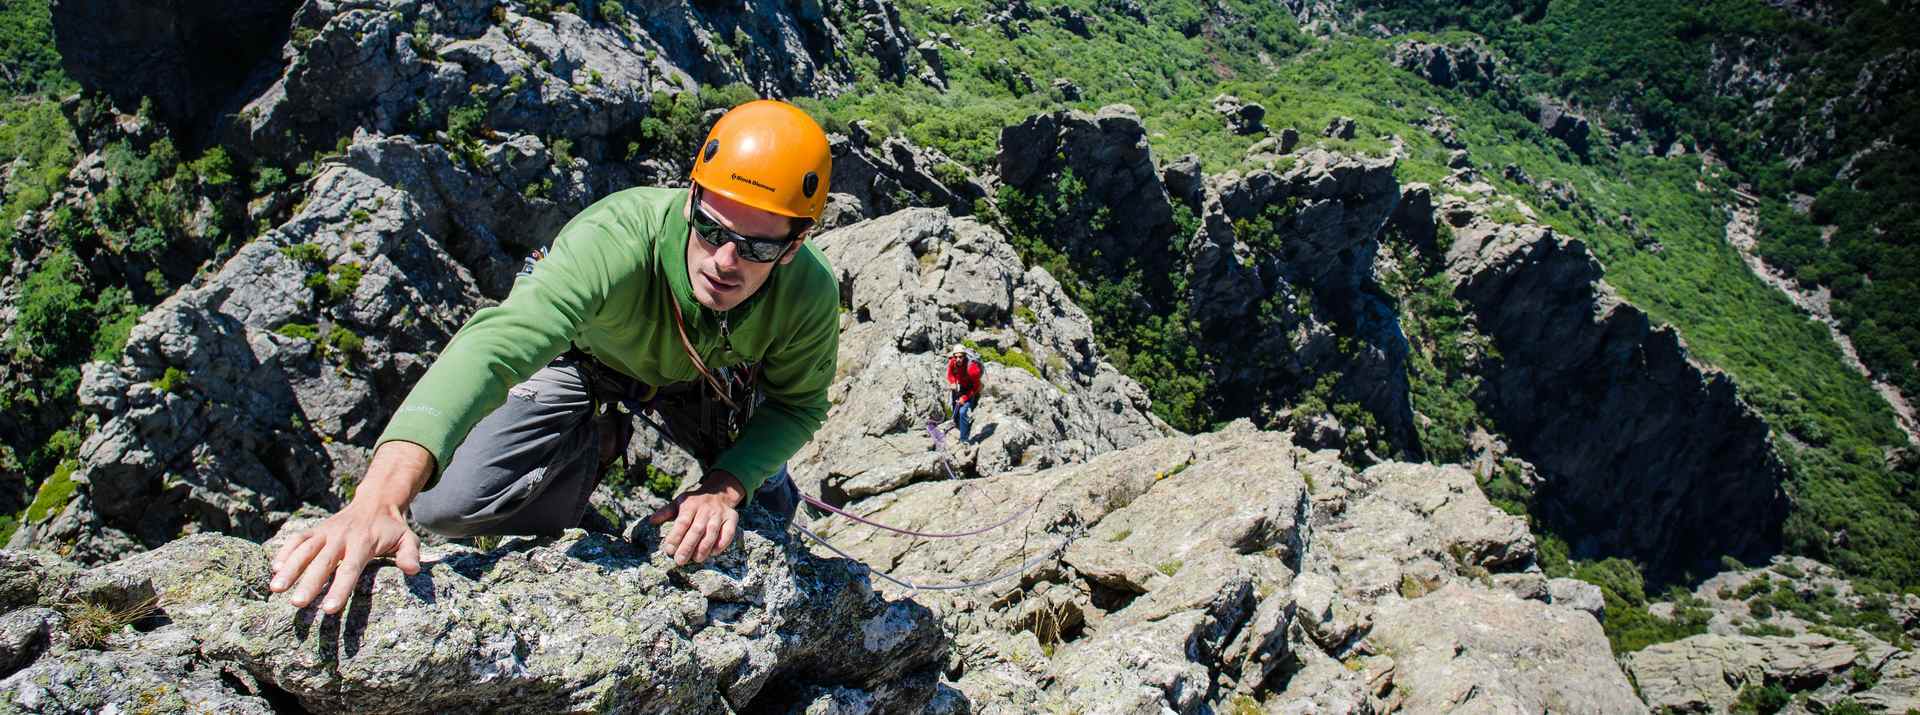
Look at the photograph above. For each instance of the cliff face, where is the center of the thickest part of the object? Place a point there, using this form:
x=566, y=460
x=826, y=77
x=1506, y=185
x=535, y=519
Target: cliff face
x=1643, y=451
x=1274, y=268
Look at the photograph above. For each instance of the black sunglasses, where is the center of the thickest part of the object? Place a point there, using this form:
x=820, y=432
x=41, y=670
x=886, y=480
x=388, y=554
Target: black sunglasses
x=757, y=250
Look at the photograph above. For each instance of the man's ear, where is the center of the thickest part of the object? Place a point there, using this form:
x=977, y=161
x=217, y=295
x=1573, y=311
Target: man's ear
x=793, y=249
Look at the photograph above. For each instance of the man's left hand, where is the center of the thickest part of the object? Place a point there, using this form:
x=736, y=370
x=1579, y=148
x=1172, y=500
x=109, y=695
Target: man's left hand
x=704, y=518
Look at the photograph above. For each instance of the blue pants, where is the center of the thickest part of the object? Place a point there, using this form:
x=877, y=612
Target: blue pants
x=963, y=418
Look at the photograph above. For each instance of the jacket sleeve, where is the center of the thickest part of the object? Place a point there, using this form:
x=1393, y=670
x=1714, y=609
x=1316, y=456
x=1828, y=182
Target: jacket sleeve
x=503, y=345
x=795, y=375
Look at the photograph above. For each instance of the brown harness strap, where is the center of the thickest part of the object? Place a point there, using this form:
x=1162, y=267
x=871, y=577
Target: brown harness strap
x=680, y=324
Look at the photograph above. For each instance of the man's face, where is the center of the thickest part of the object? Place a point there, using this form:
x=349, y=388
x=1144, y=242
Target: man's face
x=721, y=278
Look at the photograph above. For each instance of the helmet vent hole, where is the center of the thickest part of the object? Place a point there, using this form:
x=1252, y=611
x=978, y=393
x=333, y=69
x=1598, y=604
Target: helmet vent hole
x=713, y=145
x=810, y=184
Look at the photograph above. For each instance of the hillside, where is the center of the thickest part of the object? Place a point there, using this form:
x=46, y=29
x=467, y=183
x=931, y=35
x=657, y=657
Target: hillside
x=1319, y=334
x=1658, y=222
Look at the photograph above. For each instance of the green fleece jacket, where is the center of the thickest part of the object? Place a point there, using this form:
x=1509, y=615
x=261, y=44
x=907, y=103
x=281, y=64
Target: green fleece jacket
x=604, y=286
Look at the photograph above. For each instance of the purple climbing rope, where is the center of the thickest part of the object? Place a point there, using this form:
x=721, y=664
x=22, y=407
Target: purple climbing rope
x=940, y=445
x=818, y=504
x=914, y=587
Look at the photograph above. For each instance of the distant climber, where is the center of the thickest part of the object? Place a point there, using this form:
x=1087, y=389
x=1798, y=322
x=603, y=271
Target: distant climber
x=703, y=306
x=963, y=388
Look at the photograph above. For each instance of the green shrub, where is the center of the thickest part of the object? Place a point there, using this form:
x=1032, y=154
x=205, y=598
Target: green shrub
x=310, y=254
x=337, y=283
x=36, y=135
x=343, y=343
x=174, y=380
x=303, y=331
x=950, y=174
x=1762, y=699
x=54, y=315
x=661, y=483
x=1628, y=625
x=213, y=167
x=27, y=50
x=1011, y=357
x=54, y=493
x=612, y=12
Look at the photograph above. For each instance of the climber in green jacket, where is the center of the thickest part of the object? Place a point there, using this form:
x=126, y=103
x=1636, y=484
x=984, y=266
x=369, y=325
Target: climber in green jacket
x=705, y=306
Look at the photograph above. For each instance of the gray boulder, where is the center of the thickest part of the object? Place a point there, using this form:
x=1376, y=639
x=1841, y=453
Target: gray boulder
x=1470, y=67
x=1560, y=122
x=1242, y=117
x=578, y=622
x=1339, y=128
x=1706, y=672
x=1185, y=179
x=1068, y=91
x=1469, y=650
x=1578, y=595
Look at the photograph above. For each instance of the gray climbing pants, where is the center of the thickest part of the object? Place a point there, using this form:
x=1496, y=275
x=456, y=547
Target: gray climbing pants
x=531, y=465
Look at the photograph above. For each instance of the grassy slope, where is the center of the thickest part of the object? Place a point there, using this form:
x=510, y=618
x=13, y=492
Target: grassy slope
x=1785, y=364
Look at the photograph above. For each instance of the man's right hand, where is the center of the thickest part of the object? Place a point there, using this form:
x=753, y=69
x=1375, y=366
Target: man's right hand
x=371, y=527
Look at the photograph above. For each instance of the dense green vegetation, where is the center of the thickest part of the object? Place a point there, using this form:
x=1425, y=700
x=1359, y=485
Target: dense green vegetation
x=1849, y=112
x=32, y=66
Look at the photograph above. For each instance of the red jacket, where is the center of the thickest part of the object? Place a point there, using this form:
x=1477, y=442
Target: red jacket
x=968, y=378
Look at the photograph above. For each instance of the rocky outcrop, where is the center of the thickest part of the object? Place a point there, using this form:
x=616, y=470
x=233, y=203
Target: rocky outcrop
x=1705, y=673
x=875, y=176
x=1471, y=650
x=1795, y=624
x=1339, y=128
x=1277, y=274
x=1107, y=154
x=1643, y=451
x=281, y=80
x=1560, y=122
x=1233, y=567
x=915, y=283
x=1242, y=117
x=582, y=622
x=1281, y=274
x=1469, y=67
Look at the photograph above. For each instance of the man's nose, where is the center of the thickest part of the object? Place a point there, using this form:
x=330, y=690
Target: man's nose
x=727, y=256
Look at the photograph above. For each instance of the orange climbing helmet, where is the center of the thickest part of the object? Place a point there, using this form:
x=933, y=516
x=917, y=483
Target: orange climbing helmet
x=769, y=155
